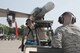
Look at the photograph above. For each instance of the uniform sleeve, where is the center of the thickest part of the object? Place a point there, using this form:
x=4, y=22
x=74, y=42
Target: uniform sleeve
x=57, y=39
x=25, y=31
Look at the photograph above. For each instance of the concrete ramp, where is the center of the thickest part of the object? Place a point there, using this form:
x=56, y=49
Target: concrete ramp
x=10, y=46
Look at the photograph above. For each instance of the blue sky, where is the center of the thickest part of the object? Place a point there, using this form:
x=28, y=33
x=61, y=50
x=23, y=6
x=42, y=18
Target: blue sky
x=27, y=6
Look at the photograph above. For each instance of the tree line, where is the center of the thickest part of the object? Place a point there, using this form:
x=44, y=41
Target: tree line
x=9, y=30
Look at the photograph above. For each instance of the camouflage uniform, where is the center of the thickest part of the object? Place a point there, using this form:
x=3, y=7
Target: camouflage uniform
x=68, y=38
x=29, y=36
x=40, y=31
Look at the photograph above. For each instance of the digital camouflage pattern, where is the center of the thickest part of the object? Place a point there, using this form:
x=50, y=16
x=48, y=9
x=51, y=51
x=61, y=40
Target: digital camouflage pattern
x=68, y=38
x=40, y=32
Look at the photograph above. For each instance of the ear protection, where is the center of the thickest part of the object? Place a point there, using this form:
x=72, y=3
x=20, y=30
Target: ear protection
x=61, y=18
x=28, y=20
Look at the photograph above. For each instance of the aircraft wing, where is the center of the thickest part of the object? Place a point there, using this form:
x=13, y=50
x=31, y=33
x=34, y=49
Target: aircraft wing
x=4, y=12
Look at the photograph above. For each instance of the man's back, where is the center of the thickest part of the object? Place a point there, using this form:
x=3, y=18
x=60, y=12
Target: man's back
x=71, y=39
x=67, y=36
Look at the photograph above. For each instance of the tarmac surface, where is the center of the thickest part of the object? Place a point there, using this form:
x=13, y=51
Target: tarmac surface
x=10, y=46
